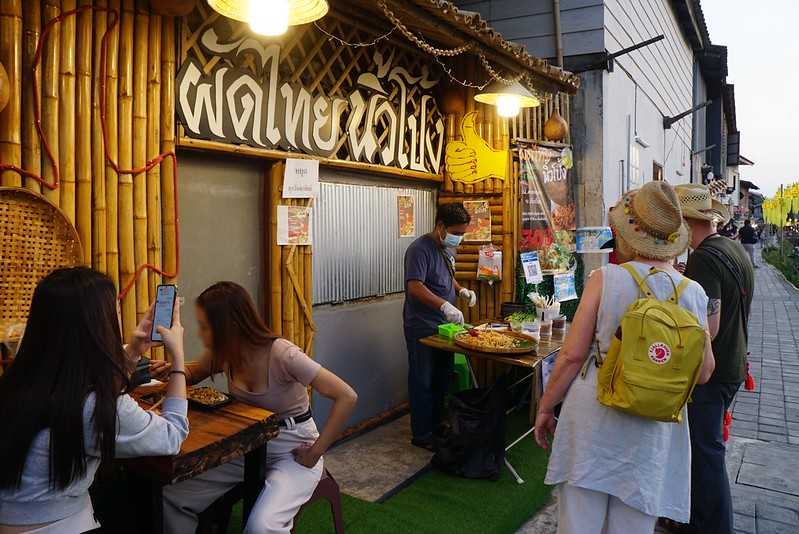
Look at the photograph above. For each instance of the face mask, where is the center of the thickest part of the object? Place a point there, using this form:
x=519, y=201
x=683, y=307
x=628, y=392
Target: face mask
x=450, y=240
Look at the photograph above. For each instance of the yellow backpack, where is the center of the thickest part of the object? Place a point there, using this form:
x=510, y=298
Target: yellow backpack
x=655, y=356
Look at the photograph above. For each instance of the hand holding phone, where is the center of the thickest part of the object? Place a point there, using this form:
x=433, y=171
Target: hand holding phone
x=165, y=296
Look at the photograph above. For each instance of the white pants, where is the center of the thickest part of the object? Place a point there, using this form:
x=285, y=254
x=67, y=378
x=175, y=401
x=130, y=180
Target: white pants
x=288, y=486
x=584, y=511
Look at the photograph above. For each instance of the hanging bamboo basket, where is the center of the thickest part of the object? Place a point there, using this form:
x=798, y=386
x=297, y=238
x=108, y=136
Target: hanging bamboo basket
x=36, y=237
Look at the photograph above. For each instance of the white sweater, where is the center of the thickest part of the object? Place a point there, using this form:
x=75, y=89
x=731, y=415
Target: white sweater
x=139, y=433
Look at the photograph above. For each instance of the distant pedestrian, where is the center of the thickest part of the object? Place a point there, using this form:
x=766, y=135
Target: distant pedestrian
x=749, y=239
x=721, y=267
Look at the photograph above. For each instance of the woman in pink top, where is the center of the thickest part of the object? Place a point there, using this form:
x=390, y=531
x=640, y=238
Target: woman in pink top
x=268, y=371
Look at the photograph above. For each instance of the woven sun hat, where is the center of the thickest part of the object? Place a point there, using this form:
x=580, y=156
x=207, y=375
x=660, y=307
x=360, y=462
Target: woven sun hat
x=697, y=203
x=650, y=221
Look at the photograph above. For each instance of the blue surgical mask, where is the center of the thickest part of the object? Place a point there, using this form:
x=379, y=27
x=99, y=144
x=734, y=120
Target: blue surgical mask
x=451, y=240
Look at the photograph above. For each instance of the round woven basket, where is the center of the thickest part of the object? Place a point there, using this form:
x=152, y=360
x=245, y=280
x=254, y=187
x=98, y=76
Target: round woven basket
x=35, y=238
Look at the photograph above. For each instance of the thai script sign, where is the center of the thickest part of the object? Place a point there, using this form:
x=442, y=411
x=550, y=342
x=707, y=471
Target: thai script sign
x=389, y=116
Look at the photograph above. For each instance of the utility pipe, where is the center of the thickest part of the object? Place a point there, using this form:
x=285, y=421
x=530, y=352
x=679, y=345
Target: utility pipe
x=558, y=35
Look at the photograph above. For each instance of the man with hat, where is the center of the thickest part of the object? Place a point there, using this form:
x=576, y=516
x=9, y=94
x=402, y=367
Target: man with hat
x=722, y=268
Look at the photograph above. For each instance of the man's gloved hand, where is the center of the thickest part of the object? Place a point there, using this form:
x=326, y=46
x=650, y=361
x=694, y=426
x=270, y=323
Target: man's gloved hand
x=452, y=313
x=468, y=295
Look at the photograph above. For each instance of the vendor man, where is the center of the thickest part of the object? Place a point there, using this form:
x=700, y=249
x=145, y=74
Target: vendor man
x=430, y=296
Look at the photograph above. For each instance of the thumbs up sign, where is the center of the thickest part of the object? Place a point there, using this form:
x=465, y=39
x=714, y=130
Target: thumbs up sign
x=473, y=160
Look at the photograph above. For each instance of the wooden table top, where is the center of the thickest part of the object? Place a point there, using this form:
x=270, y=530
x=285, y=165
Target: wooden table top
x=215, y=437
x=531, y=359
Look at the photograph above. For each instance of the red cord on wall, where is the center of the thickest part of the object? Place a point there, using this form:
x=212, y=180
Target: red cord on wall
x=133, y=172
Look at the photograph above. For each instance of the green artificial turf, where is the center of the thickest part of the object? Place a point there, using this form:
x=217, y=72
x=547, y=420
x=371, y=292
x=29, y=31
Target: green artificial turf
x=439, y=503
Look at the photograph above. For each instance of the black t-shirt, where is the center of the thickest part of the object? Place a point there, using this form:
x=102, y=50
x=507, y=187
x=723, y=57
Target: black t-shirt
x=427, y=262
x=747, y=235
x=729, y=345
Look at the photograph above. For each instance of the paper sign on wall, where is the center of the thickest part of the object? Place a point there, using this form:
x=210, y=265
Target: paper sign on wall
x=532, y=268
x=405, y=215
x=293, y=225
x=479, y=228
x=564, y=287
x=301, y=178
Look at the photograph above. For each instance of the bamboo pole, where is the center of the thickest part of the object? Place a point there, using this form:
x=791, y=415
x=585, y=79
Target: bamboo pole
x=141, y=34
x=66, y=112
x=50, y=60
x=167, y=112
x=308, y=285
x=288, y=294
x=479, y=187
x=299, y=265
x=111, y=128
x=153, y=148
x=99, y=229
x=31, y=146
x=10, y=117
x=127, y=261
x=275, y=254
x=83, y=146
x=470, y=104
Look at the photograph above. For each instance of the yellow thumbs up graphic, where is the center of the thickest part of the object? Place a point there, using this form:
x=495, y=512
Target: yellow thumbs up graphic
x=473, y=160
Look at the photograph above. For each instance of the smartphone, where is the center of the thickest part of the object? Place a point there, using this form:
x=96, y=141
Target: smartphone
x=165, y=296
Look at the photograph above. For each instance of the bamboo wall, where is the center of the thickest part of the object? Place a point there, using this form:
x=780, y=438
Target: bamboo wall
x=123, y=220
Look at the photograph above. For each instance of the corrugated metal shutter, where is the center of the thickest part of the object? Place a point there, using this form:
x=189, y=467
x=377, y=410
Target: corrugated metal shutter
x=357, y=251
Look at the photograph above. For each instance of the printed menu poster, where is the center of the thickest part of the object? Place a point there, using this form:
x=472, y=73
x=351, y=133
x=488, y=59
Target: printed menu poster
x=301, y=178
x=479, y=228
x=293, y=225
x=564, y=287
x=547, y=205
x=405, y=215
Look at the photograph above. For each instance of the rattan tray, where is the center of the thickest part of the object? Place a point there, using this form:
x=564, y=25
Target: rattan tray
x=465, y=340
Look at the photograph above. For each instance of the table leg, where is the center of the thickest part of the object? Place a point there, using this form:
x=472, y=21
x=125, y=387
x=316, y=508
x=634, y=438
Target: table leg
x=254, y=476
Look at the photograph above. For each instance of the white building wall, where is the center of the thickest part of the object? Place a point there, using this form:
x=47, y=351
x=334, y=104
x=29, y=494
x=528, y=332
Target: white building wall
x=646, y=85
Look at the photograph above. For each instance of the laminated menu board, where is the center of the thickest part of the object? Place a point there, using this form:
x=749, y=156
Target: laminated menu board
x=547, y=205
x=479, y=227
x=293, y=225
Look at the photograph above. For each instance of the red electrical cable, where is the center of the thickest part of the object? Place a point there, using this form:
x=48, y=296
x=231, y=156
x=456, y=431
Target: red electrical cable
x=133, y=172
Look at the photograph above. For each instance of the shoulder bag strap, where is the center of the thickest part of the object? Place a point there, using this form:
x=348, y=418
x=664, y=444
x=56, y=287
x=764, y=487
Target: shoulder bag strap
x=737, y=276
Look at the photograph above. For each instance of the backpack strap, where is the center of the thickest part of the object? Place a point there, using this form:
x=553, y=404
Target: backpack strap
x=642, y=285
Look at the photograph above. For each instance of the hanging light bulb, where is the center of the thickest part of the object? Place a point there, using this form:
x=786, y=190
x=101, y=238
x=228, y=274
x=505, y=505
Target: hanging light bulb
x=271, y=17
x=508, y=99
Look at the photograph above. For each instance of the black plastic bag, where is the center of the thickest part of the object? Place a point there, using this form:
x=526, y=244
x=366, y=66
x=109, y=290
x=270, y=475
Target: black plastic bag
x=471, y=439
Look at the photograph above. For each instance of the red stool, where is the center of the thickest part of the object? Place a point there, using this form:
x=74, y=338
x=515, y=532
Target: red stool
x=215, y=518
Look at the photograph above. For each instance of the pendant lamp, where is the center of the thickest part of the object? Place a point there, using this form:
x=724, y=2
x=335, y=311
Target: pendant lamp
x=271, y=17
x=508, y=99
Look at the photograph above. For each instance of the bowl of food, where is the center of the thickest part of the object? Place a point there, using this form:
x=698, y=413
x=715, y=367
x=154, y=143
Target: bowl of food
x=507, y=342
x=207, y=398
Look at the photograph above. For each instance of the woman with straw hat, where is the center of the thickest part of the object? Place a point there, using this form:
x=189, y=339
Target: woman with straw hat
x=618, y=473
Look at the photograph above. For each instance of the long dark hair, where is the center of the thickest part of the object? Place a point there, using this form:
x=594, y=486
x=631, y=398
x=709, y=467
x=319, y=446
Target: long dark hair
x=72, y=346
x=235, y=324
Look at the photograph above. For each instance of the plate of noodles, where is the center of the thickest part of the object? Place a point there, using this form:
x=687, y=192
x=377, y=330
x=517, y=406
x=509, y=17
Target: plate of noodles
x=207, y=397
x=506, y=342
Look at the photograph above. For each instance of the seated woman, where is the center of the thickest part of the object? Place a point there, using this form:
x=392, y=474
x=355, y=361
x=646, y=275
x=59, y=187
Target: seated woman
x=270, y=372
x=617, y=473
x=63, y=406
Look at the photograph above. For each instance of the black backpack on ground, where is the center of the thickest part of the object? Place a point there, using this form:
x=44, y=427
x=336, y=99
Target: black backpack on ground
x=471, y=439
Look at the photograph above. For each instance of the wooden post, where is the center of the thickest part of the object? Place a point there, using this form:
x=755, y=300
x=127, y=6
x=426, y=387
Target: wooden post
x=141, y=34
x=275, y=254
x=50, y=60
x=167, y=113
x=31, y=146
x=308, y=285
x=11, y=57
x=299, y=265
x=66, y=112
x=99, y=224
x=449, y=132
x=111, y=128
x=83, y=145
x=154, y=148
x=470, y=104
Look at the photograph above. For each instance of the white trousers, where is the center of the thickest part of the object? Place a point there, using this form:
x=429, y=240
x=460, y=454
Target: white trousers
x=287, y=487
x=584, y=511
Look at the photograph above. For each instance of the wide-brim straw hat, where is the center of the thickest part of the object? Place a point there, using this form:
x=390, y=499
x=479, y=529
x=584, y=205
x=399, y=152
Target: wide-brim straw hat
x=650, y=221
x=697, y=203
